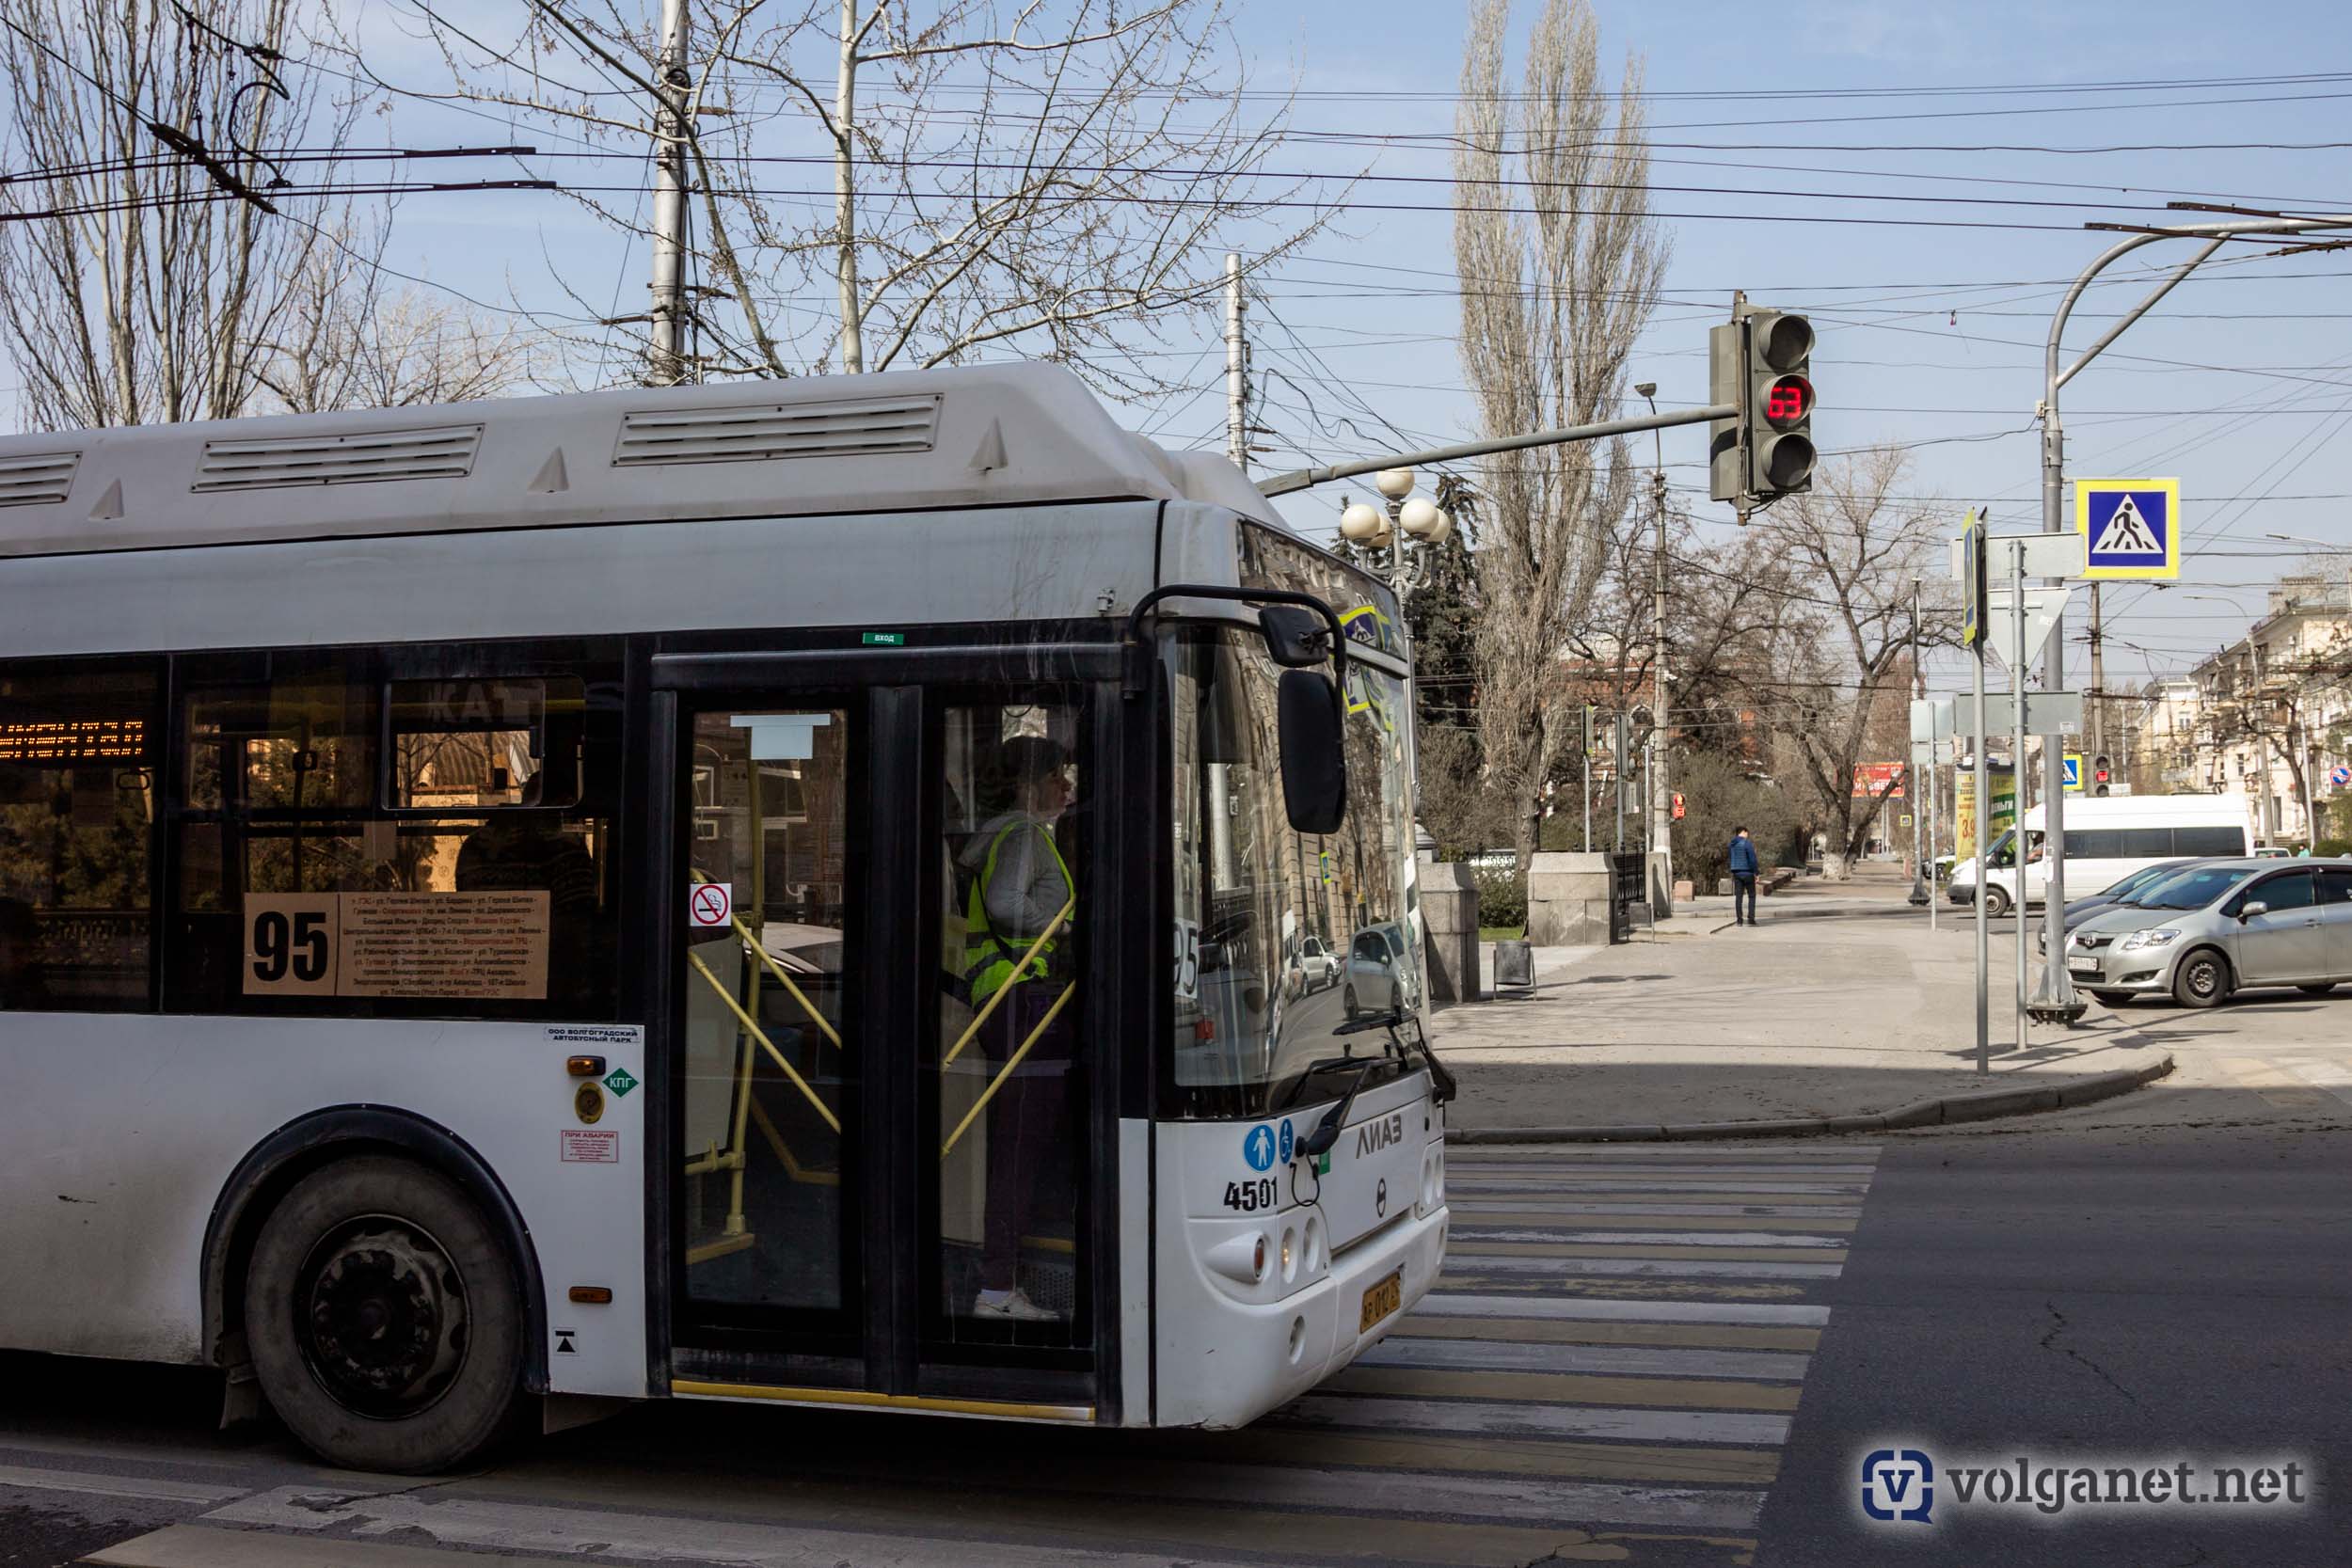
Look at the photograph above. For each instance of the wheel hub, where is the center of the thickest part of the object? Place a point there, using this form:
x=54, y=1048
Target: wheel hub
x=381, y=1314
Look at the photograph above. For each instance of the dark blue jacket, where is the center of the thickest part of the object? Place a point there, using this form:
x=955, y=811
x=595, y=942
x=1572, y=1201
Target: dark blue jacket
x=1743, y=857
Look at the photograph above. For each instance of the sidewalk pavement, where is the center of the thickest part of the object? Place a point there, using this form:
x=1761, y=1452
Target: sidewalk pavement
x=1839, y=1004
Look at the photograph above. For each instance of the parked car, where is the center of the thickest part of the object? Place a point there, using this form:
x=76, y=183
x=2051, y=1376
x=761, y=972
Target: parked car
x=1313, y=966
x=2222, y=927
x=2080, y=909
x=1373, y=979
x=2105, y=841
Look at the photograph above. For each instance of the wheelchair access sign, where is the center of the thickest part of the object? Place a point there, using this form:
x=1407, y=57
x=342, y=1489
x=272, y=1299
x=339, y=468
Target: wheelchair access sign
x=2131, y=528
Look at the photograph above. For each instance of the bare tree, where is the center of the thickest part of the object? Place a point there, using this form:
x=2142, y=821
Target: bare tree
x=346, y=338
x=133, y=286
x=1560, y=270
x=1841, y=683
x=1047, y=175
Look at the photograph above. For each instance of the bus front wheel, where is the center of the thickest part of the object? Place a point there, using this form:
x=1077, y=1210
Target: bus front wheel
x=1996, y=903
x=385, y=1318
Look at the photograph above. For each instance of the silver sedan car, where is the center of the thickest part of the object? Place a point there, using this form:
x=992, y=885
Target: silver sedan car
x=2221, y=927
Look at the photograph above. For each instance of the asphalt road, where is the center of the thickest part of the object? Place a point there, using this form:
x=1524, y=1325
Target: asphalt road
x=1605, y=1373
x=2134, y=1294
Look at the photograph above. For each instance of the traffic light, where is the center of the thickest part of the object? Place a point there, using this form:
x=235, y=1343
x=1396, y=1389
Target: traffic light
x=2101, y=772
x=1759, y=363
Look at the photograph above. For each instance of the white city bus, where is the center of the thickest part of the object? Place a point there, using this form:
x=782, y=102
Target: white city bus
x=495, y=905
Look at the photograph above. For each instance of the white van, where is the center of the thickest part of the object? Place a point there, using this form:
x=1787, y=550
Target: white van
x=2109, y=840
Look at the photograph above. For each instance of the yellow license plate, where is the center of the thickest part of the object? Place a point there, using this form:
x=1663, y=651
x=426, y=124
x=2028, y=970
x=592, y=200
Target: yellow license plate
x=1382, y=1299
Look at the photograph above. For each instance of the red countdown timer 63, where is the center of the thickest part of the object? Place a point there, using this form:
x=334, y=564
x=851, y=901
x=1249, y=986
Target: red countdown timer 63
x=1787, y=400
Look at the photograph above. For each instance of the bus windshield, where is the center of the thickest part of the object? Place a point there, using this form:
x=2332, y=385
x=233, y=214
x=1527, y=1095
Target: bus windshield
x=1294, y=952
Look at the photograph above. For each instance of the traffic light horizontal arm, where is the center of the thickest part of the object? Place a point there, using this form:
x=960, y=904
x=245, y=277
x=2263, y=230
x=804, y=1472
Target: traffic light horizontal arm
x=1283, y=485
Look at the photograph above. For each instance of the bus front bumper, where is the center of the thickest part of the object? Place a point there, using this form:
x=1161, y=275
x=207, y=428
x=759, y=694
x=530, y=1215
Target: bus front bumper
x=1245, y=1359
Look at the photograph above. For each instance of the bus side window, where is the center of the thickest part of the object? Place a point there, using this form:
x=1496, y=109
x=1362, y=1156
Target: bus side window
x=465, y=869
x=77, y=798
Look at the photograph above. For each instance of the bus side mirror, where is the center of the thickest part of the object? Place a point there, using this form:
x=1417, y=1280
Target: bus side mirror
x=1314, y=766
x=1296, y=637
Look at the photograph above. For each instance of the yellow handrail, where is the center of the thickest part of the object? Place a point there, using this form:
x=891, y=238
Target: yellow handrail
x=999, y=1081
x=752, y=1024
x=973, y=1029
x=759, y=949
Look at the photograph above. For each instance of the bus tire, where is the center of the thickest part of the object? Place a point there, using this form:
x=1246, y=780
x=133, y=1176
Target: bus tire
x=1995, y=902
x=385, y=1318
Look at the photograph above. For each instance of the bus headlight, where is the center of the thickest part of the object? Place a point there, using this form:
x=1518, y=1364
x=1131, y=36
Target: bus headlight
x=1432, y=1180
x=1290, y=1254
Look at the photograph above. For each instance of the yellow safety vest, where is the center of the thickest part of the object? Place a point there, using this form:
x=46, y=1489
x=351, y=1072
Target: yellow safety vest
x=990, y=959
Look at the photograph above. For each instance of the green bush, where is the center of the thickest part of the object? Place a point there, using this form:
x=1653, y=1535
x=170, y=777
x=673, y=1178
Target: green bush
x=1502, y=898
x=2331, y=847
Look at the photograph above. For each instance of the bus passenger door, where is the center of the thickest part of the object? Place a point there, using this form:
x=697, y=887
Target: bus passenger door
x=888, y=1178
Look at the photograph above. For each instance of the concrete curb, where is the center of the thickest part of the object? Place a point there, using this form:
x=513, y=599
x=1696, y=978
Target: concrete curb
x=1927, y=1113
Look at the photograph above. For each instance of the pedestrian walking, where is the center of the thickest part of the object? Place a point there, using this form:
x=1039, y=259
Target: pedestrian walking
x=1743, y=866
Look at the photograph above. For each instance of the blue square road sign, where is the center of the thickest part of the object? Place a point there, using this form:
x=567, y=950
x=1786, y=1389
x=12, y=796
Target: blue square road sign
x=2131, y=528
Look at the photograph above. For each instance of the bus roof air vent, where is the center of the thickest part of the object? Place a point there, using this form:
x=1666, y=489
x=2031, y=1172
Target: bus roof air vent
x=41, y=479
x=275, y=461
x=846, y=427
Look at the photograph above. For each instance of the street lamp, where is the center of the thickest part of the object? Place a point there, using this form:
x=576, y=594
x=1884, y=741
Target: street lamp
x=1397, y=543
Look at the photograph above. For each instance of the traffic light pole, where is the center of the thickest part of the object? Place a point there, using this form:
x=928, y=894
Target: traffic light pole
x=2056, y=998
x=1301, y=478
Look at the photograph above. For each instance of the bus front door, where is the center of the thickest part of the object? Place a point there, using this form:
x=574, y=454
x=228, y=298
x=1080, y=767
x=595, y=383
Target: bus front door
x=884, y=1188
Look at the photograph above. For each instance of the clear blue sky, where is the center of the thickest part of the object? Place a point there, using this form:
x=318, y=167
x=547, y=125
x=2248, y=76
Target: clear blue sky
x=2241, y=384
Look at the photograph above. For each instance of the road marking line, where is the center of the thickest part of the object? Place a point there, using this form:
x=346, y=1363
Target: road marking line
x=1589, y=1331
x=1489, y=1244
x=1327, y=1411
x=1720, y=1239
x=1627, y=1360
x=1563, y=1389
x=115, y=1486
x=1460, y=1305
x=1758, y=1211
x=504, y=1526
x=1634, y=1185
x=1635, y=1268
x=1490, y=1455
x=2329, y=1077
x=1809, y=1174
x=195, y=1547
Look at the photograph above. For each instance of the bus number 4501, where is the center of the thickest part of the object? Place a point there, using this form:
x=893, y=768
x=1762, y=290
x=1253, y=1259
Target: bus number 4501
x=1249, y=1196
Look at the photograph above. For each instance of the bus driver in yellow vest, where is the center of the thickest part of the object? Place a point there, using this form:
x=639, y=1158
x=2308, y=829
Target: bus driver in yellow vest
x=1021, y=888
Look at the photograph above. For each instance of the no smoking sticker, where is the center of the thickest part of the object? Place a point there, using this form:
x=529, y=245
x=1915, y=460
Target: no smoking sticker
x=710, y=906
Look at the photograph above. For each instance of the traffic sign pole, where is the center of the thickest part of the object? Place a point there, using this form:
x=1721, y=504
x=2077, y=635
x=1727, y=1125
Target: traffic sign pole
x=1984, y=871
x=2017, y=690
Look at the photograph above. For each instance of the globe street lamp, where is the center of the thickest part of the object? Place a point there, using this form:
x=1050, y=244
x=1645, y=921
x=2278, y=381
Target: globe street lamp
x=1396, y=543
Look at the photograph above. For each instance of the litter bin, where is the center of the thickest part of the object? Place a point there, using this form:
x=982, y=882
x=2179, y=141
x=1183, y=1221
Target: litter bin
x=1515, y=966
x=1628, y=885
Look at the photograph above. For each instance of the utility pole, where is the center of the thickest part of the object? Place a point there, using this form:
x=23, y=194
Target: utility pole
x=2098, y=678
x=1236, y=369
x=666, y=351
x=1660, y=789
x=1922, y=882
x=1588, y=777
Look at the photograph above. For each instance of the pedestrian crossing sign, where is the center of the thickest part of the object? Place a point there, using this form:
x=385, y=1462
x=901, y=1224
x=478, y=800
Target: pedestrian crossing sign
x=2131, y=528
